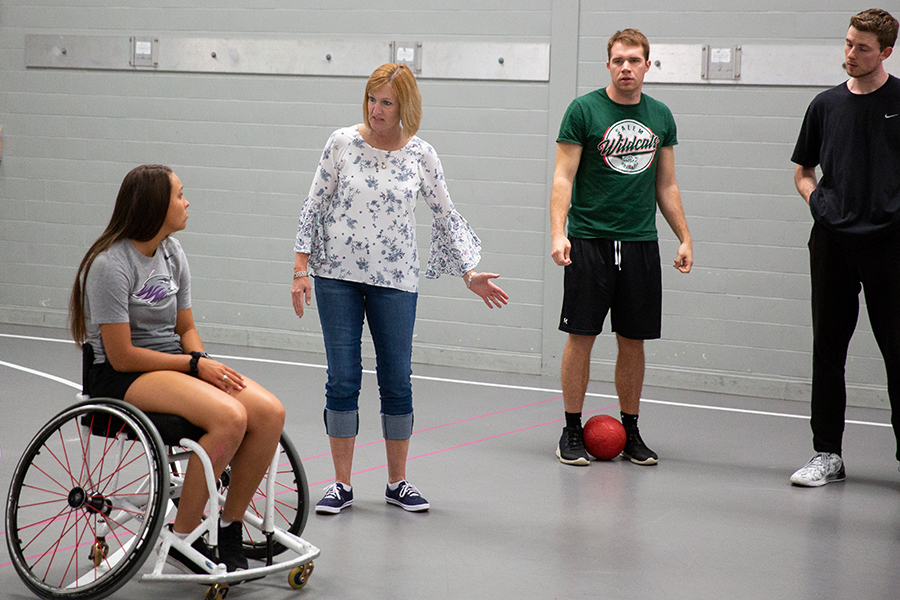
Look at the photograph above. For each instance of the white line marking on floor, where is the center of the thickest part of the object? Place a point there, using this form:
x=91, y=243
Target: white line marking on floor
x=443, y=380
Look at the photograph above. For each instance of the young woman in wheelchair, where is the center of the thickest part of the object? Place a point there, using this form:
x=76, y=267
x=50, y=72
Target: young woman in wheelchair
x=131, y=302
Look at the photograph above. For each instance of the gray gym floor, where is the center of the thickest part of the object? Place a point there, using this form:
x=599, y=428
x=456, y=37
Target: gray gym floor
x=716, y=519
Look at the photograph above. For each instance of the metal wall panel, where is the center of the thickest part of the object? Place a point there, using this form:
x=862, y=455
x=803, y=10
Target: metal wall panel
x=440, y=60
x=761, y=64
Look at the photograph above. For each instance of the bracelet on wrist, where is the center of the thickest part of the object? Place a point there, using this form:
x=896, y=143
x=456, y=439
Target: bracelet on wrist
x=468, y=279
x=195, y=360
x=299, y=274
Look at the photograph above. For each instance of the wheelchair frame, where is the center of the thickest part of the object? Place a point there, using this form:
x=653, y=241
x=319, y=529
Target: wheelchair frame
x=97, y=475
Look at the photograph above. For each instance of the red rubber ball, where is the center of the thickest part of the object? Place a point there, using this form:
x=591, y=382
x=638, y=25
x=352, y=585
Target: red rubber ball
x=604, y=437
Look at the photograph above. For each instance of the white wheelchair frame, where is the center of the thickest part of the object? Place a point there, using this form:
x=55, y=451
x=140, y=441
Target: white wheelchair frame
x=143, y=504
x=305, y=551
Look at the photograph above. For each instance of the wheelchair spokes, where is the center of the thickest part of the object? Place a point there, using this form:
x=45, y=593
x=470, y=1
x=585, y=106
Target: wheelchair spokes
x=83, y=493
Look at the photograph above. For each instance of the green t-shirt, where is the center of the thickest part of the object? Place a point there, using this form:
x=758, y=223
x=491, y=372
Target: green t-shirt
x=614, y=193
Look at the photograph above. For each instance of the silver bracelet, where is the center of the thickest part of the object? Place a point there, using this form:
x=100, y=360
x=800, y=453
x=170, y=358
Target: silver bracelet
x=299, y=274
x=468, y=279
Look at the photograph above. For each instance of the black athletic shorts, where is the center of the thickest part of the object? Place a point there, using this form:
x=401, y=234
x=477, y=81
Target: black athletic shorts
x=106, y=382
x=621, y=278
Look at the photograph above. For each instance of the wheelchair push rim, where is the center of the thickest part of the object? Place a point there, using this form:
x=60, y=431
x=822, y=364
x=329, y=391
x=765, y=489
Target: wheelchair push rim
x=86, y=501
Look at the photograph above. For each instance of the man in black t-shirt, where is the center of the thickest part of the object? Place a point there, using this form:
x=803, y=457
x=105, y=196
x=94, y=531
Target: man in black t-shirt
x=852, y=132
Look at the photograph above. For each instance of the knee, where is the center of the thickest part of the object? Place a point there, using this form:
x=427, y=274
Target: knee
x=630, y=346
x=231, y=421
x=266, y=413
x=343, y=386
x=577, y=351
x=274, y=414
x=580, y=343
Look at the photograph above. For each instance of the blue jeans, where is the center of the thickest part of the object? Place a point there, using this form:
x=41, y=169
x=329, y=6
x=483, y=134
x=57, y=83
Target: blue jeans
x=391, y=313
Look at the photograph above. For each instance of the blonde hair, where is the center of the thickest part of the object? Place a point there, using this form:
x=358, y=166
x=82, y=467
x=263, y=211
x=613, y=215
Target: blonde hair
x=403, y=84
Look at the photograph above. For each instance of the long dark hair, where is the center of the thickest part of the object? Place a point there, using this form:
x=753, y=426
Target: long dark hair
x=139, y=214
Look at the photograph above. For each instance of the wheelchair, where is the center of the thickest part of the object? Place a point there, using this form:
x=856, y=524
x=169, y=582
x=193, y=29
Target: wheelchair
x=90, y=495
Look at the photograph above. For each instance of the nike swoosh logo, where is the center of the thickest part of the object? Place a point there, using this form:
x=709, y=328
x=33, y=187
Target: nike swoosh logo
x=891, y=116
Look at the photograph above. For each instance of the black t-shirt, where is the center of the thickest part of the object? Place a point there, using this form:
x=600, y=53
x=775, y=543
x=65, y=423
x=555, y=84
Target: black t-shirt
x=856, y=140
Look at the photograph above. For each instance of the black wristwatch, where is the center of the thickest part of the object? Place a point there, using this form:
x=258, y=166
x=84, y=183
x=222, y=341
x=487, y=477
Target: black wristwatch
x=195, y=358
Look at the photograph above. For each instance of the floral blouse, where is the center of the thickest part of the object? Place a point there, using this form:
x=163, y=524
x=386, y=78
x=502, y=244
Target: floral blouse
x=358, y=222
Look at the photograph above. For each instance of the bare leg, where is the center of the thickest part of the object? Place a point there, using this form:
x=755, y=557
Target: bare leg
x=342, y=457
x=265, y=422
x=397, y=451
x=629, y=382
x=575, y=374
x=629, y=374
x=245, y=424
x=576, y=370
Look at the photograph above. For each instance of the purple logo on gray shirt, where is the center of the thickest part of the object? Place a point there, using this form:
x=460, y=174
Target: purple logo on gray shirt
x=155, y=289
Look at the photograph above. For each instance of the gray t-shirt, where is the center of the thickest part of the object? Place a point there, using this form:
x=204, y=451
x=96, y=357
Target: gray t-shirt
x=124, y=286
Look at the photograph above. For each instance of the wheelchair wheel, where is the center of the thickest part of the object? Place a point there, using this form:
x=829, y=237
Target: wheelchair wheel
x=291, y=501
x=86, y=501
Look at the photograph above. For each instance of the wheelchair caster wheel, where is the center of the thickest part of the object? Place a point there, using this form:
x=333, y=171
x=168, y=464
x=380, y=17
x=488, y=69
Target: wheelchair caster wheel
x=299, y=576
x=99, y=551
x=216, y=592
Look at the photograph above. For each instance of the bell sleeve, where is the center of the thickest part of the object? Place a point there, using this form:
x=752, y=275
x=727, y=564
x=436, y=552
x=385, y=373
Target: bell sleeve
x=311, y=228
x=455, y=249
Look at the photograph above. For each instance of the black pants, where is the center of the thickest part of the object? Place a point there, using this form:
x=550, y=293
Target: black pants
x=838, y=273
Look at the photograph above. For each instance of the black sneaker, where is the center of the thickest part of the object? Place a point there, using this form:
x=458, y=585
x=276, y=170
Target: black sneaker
x=570, y=450
x=186, y=565
x=407, y=497
x=637, y=450
x=337, y=497
x=231, y=547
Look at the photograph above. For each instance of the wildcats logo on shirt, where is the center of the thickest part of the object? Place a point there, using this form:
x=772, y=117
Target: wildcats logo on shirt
x=628, y=147
x=156, y=288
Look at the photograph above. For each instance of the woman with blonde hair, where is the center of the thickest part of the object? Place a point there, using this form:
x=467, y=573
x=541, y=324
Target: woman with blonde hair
x=357, y=237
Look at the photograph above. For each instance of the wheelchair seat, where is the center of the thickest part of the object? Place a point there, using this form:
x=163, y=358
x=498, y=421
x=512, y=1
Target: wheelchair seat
x=171, y=428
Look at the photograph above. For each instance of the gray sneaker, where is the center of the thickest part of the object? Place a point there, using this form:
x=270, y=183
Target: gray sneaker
x=822, y=468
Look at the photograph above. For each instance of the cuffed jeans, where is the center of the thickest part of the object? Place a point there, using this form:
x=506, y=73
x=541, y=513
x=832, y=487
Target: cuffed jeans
x=838, y=274
x=343, y=307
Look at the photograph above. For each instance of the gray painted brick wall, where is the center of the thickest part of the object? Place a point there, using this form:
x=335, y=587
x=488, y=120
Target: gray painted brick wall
x=245, y=147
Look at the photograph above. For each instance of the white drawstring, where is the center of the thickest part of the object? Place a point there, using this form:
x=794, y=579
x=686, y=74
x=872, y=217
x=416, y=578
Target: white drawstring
x=617, y=246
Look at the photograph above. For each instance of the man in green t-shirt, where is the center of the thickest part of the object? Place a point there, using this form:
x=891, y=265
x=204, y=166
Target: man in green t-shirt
x=615, y=163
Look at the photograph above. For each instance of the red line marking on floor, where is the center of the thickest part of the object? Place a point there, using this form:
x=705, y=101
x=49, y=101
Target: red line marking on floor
x=463, y=445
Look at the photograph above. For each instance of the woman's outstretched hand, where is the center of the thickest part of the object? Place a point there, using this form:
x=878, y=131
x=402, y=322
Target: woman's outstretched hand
x=487, y=290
